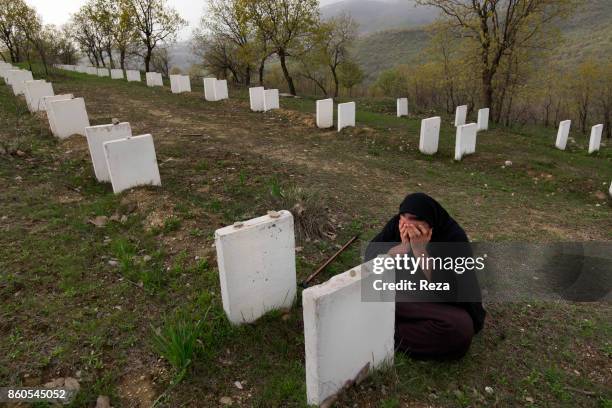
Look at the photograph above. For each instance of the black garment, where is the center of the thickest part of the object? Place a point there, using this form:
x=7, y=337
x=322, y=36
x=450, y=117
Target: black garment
x=448, y=240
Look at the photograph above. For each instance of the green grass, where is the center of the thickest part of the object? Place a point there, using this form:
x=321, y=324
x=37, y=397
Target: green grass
x=75, y=297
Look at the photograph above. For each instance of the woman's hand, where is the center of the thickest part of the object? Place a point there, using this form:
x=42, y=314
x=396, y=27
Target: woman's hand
x=419, y=236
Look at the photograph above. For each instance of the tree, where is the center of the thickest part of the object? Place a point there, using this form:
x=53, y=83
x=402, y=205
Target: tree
x=156, y=23
x=350, y=75
x=284, y=24
x=11, y=35
x=337, y=35
x=499, y=27
x=160, y=61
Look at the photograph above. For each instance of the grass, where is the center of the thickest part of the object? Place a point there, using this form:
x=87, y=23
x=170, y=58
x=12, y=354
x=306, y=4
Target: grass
x=80, y=298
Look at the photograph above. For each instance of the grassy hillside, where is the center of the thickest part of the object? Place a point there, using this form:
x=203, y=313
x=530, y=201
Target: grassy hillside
x=383, y=50
x=87, y=277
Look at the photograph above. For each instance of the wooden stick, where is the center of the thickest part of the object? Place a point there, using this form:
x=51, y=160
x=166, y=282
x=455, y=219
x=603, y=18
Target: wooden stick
x=320, y=269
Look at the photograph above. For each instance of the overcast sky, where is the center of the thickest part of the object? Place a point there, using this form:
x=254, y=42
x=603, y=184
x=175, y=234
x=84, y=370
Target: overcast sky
x=58, y=11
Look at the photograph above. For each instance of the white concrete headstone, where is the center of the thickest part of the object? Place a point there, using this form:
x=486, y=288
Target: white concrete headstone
x=67, y=117
x=465, y=141
x=92, y=70
x=562, y=134
x=221, y=91
x=96, y=137
x=402, y=107
x=343, y=334
x=132, y=162
x=116, y=73
x=35, y=91
x=154, y=79
x=325, y=113
x=595, y=140
x=346, y=115
x=256, y=98
x=271, y=99
x=256, y=261
x=461, y=115
x=44, y=101
x=483, y=119
x=17, y=79
x=430, y=135
x=210, y=89
x=180, y=84
x=132, y=75
x=103, y=72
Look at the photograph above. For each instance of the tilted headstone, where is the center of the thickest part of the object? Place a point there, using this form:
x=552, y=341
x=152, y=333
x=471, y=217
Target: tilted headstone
x=96, y=137
x=402, y=107
x=133, y=75
x=116, y=73
x=256, y=98
x=343, y=334
x=483, y=119
x=132, y=162
x=256, y=261
x=35, y=91
x=103, y=72
x=154, y=79
x=430, y=135
x=44, y=101
x=271, y=99
x=346, y=115
x=460, y=115
x=465, y=141
x=17, y=80
x=595, y=140
x=563, y=134
x=325, y=113
x=67, y=117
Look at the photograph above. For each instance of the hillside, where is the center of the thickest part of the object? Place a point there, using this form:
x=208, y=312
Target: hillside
x=377, y=15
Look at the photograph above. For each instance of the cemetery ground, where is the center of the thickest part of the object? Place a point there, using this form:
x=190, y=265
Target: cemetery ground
x=90, y=281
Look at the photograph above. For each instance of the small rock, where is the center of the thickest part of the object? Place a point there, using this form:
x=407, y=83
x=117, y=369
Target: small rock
x=530, y=400
x=115, y=121
x=146, y=258
x=489, y=390
x=99, y=221
x=286, y=317
x=103, y=402
x=20, y=153
x=55, y=383
x=18, y=179
x=71, y=384
x=508, y=163
x=238, y=385
x=226, y=401
x=113, y=262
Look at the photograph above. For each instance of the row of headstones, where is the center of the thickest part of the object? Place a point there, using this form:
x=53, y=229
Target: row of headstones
x=343, y=335
x=563, y=134
x=214, y=89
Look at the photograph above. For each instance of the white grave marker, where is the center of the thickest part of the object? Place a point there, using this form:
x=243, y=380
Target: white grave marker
x=210, y=89
x=595, y=140
x=343, y=334
x=460, y=115
x=96, y=137
x=116, y=73
x=67, y=117
x=465, y=141
x=221, y=91
x=154, y=79
x=430, y=135
x=92, y=70
x=180, y=84
x=17, y=79
x=271, y=100
x=402, y=107
x=132, y=162
x=132, y=75
x=325, y=113
x=103, y=72
x=483, y=119
x=257, y=266
x=562, y=134
x=256, y=97
x=44, y=101
x=346, y=115
x=35, y=91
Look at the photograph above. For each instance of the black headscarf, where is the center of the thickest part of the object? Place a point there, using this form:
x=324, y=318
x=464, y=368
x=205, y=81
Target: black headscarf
x=445, y=230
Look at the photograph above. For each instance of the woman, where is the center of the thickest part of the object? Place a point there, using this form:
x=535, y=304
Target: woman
x=442, y=328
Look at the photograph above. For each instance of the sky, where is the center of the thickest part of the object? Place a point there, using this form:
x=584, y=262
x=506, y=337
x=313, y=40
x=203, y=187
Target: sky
x=58, y=11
